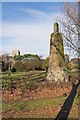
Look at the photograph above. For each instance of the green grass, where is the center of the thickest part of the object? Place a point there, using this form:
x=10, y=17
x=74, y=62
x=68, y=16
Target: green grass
x=23, y=74
x=32, y=104
x=27, y=80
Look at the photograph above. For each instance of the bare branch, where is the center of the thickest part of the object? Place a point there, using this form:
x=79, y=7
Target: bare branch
x=71, y=26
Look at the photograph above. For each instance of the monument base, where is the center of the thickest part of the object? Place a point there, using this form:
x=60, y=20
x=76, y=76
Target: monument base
x=57, y=75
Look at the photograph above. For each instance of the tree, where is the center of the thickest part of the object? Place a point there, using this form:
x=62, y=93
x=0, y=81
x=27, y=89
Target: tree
x=71, y=26
x=5, y=62
x=19, y=66
x=71, y=31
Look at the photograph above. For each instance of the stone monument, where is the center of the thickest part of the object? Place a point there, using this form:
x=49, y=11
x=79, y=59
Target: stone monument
x=56, y=58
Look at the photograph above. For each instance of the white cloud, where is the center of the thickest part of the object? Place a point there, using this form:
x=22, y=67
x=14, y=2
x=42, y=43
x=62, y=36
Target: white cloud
x=34, y=12
x=41, y=15
x=30, y=37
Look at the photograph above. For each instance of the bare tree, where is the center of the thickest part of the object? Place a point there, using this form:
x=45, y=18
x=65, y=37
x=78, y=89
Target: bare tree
x=71, y=26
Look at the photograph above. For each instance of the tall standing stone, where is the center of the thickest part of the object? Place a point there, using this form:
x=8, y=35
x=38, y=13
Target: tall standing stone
x=56, y=57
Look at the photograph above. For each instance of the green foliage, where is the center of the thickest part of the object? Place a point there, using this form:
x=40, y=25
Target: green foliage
x=45, y=64
x=33, y=62
x=31, y=56
x=26, y=62
x=19, y=66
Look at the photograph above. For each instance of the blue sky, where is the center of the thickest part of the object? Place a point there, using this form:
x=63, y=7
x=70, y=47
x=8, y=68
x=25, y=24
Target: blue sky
x=26, y=26
x=26, y=12
x=38, y=0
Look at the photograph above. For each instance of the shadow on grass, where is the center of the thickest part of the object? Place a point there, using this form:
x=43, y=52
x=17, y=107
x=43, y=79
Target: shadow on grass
x=65, y=110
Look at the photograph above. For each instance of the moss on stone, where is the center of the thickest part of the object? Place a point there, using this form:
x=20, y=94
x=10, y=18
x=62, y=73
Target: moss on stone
x=58, y=42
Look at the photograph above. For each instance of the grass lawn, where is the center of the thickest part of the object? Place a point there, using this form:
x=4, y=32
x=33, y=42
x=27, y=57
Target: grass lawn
x=33, y=106
x=46, y=108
